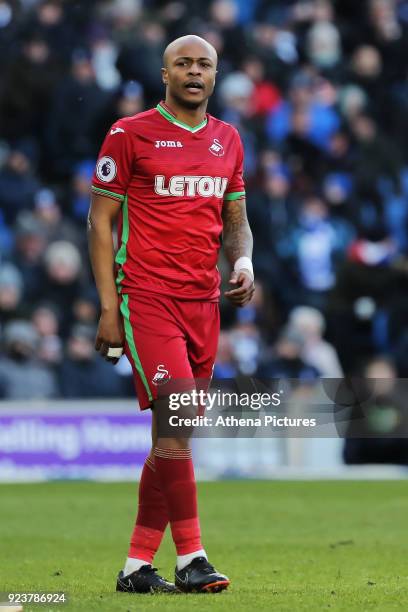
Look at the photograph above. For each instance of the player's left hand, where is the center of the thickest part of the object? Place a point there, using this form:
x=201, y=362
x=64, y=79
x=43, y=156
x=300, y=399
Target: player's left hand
x=244, y=288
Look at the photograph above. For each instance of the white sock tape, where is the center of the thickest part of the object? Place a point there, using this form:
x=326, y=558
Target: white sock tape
x=244, y=263
x=115, y=352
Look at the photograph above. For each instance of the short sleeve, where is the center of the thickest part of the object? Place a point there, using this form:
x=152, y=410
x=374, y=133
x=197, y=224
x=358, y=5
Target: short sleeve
x=236, y=186
x=114, y=167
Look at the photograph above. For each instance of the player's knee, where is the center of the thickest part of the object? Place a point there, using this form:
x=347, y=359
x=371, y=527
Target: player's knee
x=175, y=422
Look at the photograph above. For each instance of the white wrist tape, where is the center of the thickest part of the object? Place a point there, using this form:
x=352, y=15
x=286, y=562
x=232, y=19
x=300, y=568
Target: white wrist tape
x=244, y=263
x=115, y=352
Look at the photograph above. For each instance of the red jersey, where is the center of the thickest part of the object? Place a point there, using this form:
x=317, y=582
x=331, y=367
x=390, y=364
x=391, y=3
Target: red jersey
x=171, y=180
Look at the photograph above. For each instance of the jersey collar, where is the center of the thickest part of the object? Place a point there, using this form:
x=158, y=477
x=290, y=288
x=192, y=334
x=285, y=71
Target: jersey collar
x=167, y=114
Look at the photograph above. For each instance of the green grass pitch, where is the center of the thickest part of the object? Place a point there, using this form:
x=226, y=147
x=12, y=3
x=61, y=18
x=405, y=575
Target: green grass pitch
x=285, y=545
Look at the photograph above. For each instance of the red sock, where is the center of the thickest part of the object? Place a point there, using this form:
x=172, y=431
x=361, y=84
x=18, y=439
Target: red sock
x=174, y=468
x=152, y=516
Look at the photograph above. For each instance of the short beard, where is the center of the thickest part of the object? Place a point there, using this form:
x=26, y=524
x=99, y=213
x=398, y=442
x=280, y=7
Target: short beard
x=187, y=104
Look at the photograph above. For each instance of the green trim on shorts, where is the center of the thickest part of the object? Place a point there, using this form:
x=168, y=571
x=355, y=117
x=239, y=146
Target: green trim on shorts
x=124, y=308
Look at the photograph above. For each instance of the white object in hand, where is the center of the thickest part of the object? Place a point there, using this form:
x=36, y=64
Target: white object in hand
x=115, y=352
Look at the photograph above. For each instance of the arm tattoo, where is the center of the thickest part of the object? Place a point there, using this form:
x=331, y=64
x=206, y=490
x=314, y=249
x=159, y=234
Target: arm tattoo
x=237, y=235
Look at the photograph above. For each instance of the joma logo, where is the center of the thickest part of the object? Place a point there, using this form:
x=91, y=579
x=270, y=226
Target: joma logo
x=168, y=143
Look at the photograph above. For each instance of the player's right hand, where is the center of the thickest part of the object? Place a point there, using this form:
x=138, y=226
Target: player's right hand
x=110, y=334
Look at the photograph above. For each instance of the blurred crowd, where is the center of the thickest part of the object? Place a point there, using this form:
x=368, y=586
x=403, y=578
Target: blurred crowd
x=319, y=92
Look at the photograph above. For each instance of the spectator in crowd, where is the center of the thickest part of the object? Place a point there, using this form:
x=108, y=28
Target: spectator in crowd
x=375, y=158
x=270, y=207
x=25, y=99
x=149, y=43
x=18, y=183
x=6, y=238
x=366, y=72
x=309, y=323
x=225, y=365
x=45, y=319
x=50, y=18
x=22, y=375
x=320, y=118
x=104, y=57
x=54, y=225
x=63, y=278
x=85, y=307
x=285, y=360
x=235, y=92
x=29, y=250
x=128, y=100
x=82, y=373
x=246, y=342
x=81, y=184
x=77, y=100
x=368, y=286
x=378, y=410
x=265, y=94
x=323, y=45
x=312, y=249
x=11, y=292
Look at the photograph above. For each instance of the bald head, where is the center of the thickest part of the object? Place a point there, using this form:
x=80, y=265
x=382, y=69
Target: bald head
x=189, y=46
x=190, y=67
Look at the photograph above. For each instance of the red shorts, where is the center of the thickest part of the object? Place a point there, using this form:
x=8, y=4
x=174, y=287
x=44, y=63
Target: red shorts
x=170, y=343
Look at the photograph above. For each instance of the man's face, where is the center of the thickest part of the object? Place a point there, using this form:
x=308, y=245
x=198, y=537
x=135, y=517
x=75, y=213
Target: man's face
x=190, y=74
